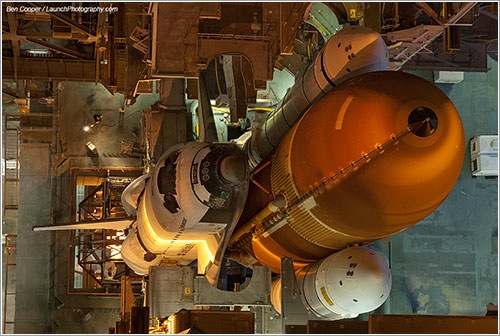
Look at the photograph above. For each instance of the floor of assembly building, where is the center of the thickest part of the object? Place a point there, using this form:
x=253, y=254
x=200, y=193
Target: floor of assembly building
x=444, y=267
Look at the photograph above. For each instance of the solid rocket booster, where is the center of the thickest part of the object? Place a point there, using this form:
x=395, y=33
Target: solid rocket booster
x=343, y=285
x=374, y=156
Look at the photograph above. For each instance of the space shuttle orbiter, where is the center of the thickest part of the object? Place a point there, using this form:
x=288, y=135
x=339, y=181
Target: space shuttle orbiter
x=351, y=155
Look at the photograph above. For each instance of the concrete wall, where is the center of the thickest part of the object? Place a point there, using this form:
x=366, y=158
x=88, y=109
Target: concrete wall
x=33, y=248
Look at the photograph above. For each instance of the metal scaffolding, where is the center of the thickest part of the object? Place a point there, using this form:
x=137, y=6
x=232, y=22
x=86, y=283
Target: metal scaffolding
x=410, y=42
x=9, y=298
x=95, y=260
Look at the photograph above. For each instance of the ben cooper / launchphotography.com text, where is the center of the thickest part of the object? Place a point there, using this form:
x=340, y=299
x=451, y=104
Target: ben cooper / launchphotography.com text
x=60, y=9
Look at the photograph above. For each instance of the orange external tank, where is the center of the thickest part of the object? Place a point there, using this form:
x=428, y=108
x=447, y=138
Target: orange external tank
x=374, y=156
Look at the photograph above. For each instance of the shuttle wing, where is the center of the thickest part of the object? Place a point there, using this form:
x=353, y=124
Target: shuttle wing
x=213, y=269
x=117, y=224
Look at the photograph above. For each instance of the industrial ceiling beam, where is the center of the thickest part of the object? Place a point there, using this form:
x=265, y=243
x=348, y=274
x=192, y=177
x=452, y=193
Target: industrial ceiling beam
x=68, y=21
x=101, y=43
x=9, y=91
x=11, y=18
x=21, y=34
x=453, y=19
x=429, y=11
x=488, y=13
x=56, y=48
x=460, y=13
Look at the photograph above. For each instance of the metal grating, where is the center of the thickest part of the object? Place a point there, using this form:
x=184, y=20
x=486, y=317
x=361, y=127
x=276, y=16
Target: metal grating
x=9, y=298
x=11, y=169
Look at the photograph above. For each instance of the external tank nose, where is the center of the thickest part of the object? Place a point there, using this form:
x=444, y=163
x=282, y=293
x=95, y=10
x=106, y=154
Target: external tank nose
x=374, y=156
x=401, y=149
